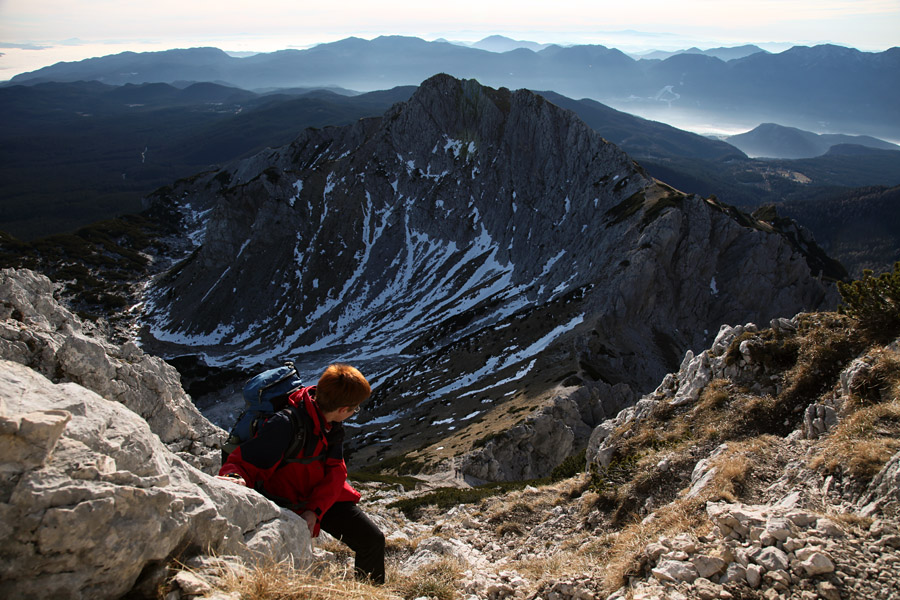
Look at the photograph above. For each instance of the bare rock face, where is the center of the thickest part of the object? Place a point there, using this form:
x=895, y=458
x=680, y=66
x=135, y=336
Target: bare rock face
x=39, y=332
x=685, y=385
x=90, y=499
x=547, y=437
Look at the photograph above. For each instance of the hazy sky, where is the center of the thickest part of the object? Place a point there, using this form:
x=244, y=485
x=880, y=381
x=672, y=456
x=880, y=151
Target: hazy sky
x=35, y=33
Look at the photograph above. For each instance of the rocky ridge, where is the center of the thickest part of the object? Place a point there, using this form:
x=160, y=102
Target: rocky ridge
x=774, y=516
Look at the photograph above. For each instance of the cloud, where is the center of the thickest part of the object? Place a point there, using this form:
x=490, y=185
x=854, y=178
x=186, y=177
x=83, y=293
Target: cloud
x=23, y=46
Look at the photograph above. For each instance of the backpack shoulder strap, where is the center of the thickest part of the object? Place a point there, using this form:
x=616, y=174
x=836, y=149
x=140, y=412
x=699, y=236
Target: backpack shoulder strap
x=298, y=422
x=298, y=428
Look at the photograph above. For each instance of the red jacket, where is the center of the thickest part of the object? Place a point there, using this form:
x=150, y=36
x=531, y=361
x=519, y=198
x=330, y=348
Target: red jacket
x=300, y=486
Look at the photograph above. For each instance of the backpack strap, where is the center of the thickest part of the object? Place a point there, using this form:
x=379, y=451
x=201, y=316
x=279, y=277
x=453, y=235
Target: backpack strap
x=298, y=423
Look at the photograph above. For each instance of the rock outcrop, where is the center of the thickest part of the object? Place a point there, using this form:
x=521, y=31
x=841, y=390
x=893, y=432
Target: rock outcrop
x=94, y=501
x=40, y=333
x=93, y=504
x=748, y=358
x=548, y=436
x=684, y=386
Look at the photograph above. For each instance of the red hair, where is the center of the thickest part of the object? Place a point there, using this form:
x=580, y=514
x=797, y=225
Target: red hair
x=341, y=385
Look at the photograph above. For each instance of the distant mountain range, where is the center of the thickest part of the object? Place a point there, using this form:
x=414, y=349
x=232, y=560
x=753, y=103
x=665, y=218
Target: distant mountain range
x=809, y=87
x=499, y=43
x=776, y=141
x=725, y=54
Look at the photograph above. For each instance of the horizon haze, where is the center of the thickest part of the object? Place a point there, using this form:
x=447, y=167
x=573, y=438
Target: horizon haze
x=35, y=35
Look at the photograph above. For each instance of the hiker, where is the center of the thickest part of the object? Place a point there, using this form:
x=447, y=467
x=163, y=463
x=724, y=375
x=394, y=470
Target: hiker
x=314, y=485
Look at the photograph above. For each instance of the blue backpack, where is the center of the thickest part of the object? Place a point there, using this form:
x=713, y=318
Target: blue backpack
x=266, y=394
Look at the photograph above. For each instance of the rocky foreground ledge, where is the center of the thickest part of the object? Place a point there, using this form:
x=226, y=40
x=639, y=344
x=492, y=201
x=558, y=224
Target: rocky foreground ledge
x=39, y=332
x=101, y=454
x=542, y=544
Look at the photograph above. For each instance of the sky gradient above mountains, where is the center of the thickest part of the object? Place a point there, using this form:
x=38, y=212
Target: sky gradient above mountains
x=33, y=34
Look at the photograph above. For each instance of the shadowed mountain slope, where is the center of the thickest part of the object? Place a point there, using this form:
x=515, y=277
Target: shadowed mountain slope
x=776, y=141
x=75, y=153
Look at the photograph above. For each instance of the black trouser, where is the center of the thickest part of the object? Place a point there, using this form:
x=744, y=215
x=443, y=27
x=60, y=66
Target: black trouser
x=346, y=522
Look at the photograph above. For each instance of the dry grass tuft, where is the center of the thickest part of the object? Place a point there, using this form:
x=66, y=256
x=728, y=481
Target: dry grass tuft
x=505, y=511
x=560, y=564
x=868, y=434
x=281, y=581
x=735, y=467
x=880, y=381
x=328, y=581
x=852, y=520
x=828, y=342
x=438, y=580
x=620, y=552
x=400, y=546
x=862, y=442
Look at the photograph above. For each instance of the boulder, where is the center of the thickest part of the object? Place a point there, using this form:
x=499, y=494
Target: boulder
x=39, y=332
x=92, y=502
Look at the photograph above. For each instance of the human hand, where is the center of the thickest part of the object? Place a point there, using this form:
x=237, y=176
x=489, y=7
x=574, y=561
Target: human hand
x=310, y=518
x=233, y=478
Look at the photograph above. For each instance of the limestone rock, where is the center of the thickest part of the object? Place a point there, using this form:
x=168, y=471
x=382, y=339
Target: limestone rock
x=817, y=420
x=675, y=570
x=708, y=566
x=39, y=332
x=816, y=563
x=90, y=498
x=771, y=558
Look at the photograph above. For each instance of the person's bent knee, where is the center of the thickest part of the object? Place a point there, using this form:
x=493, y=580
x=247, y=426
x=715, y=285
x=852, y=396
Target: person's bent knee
x=379, y=540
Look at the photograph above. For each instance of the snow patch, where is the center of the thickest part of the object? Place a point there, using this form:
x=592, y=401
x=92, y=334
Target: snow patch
x=298, y=185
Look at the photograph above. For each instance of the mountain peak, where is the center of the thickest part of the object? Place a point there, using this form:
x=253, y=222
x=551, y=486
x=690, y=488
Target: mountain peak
x=470, y=230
